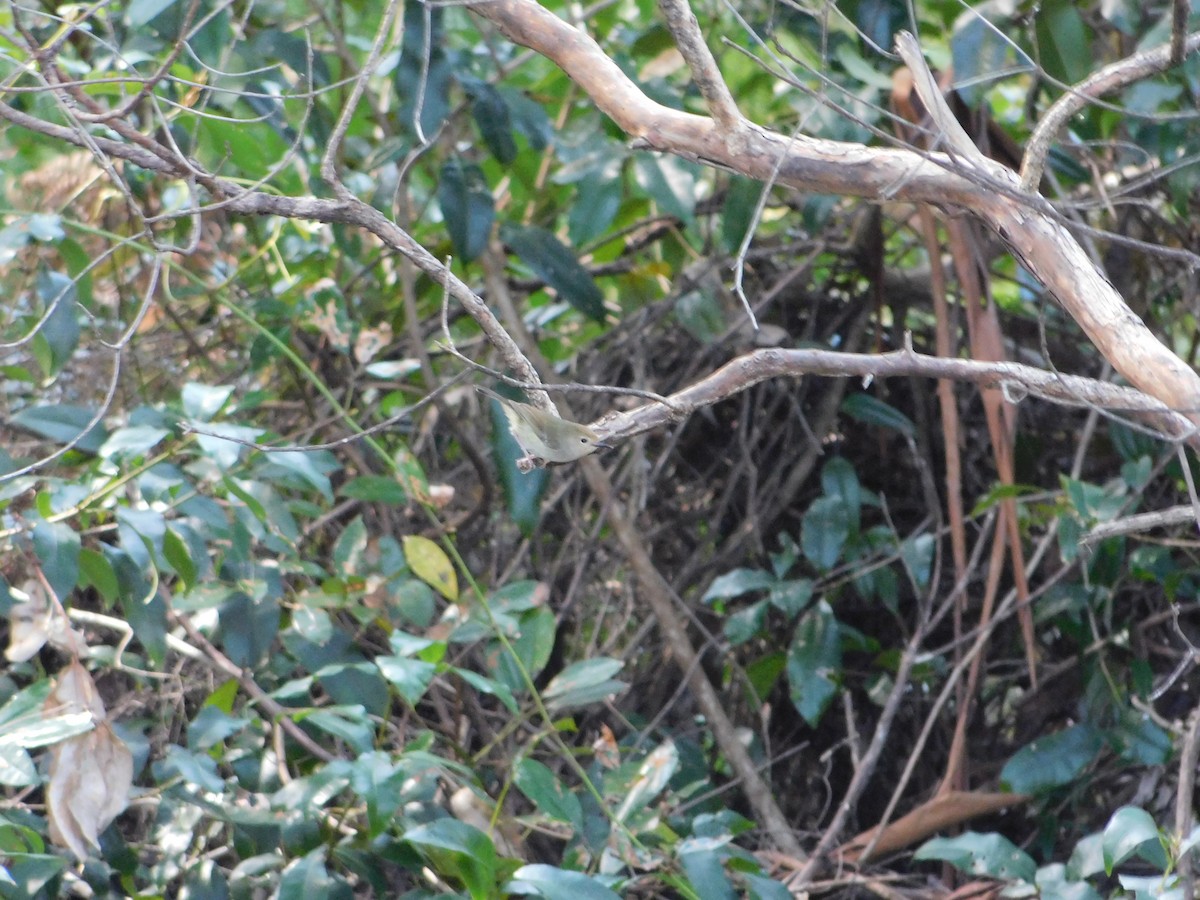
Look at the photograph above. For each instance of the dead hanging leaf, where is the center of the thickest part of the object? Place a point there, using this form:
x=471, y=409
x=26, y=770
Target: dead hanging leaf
x=370, y=341
x=36, y=621
x=90, y=774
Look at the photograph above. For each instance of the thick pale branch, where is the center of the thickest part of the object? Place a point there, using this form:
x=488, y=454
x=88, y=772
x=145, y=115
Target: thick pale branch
x=1015, y=379
x=989, y=190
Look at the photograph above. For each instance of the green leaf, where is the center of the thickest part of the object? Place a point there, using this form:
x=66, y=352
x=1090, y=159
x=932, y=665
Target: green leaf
x=376, y=489
x=203, y=401
x=175, y=551
x=458, y=850
x=488, y=686
x=557, y=266
x=1065, y=52
x=306, y=465
x=57, y=547
x=597, y=202
x=60, y=331
x=737, y=212
x=467, y=207
x=533, y=645
x=703, y=864
x=132, y=442
x=545, y=791
x=492, y=116
x=553, y=883
x=430, y=563
x=737, y=582
x=308, y=877
x=348, y=723
x=981, y=854
x=582, y=683
x=824, y=530
x=746, y=623
x=97, y=572
x=918, y=552
x=979, y=49
x=1131, y=831
x=411, y=677
x=213, y=725
x=1051, y=761
x=669, y=181
x=838, y=479
x=63, y=423
x=814, y=661
x=791, y=597
x=872, y=411
x=140, y=12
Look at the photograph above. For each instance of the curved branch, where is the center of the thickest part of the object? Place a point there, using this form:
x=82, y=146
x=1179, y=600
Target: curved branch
x=1016, y=380
x=1110, y=78
x=988, y=190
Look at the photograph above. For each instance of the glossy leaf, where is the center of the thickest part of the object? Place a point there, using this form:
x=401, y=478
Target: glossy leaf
x=584, y=682
x=57, y=546
x=64, y=424
x=1051, y=761
x=981, y=854
x=551, y=261
x=814, y=662
x=824, y=531
x=467, y=206
x=541, y=880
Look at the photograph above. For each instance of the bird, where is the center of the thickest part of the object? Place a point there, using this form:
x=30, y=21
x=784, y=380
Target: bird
x=545, y=436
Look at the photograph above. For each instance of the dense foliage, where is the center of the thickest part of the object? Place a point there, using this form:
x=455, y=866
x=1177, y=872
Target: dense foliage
x=278, y=655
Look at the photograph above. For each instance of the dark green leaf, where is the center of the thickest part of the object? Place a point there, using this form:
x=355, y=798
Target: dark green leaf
x=98, y=573
x=467, y=207
x=1131, y=831
x=492, y=117
x=583, y=682
x=703, y=864
x=551, y=261
x=175, y=551
x=814, y=662
x=669, y=181
x=203, y=401
x=737, y=582
x=553, y=883
x=57, y=547
x=60, y=331
x=745, y=623
x=63, y=423
x=538, y=783
x=981, y=854
x=1051, y=761
x=872, y=411
x=411, y=677
x=376, y=489
x=824, y=530
x=790, y=597
x=737, y=213
x=458, y=850
x=979, y=49
x=1065, y=53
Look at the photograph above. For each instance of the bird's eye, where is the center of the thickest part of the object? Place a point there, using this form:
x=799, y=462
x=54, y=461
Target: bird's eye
x=583, y=440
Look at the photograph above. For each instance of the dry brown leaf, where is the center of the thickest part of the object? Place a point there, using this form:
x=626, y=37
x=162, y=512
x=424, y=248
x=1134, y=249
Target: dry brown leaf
x=90, y=774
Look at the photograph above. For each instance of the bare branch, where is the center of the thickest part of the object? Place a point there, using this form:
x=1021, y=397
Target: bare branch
x=1113, y=77
x=987, y=189
x=1015, y=379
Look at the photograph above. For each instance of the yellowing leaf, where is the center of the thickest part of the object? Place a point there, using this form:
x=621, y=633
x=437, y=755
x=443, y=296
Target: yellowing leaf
x=430, y=563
